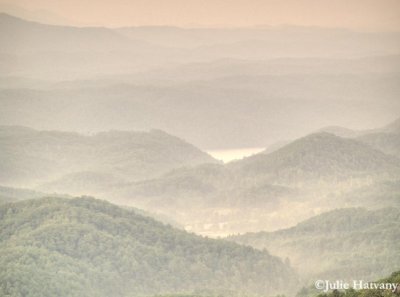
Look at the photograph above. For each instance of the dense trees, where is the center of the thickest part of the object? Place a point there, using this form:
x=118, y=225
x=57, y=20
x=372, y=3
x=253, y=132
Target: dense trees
x=316, y=173
x=319, y=156
x=349, y=243
x=86, y=247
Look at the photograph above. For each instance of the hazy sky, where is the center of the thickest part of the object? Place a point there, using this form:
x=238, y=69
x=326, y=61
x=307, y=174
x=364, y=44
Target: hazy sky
x=361, y=14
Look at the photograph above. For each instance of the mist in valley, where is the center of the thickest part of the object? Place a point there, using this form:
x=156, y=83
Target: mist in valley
x=200, y=160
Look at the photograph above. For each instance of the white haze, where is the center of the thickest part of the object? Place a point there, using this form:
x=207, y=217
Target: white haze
x=234, y=154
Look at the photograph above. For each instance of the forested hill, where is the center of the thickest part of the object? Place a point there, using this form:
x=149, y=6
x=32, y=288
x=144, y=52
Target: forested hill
x=13, y=195
x=316, y=173
x=29, y=155
x=345, y=243
x=87, y=247
x=393, y=127
x=316, y=156
x=385, y=139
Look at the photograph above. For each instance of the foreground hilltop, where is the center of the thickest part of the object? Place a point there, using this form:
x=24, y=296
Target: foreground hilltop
x=86, y=247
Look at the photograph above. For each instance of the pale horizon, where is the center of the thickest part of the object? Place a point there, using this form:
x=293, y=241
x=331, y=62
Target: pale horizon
x=370, y=15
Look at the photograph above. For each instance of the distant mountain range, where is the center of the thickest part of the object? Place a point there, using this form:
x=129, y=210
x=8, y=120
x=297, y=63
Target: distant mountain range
x=19, y=36
x=349, y=244
x=230, y=87
x=86, y=247
x=212, y=41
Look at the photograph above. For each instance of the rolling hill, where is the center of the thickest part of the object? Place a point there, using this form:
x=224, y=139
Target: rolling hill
x=167, y=176
x=314, y=158
x=8, y=195
x=29, y=156
x=392, y=128
x=386, y=142
x=320, y=156
x=351, y=243
x=87, y=247
x=311, y=175
x=385, y=139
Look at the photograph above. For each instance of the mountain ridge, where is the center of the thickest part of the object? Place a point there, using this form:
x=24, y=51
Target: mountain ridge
x=129, y=155
x=308, y=176
x=385, y=139
x=318, y=155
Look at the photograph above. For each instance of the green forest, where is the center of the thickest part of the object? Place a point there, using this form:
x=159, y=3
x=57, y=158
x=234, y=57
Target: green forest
x=352, y=243
x=87, y=247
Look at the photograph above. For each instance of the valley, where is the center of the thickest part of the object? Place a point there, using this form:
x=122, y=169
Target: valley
x=198, y=161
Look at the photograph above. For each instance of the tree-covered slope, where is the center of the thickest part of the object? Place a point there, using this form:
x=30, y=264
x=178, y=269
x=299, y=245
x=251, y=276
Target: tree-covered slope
x=376, y=195
x=349, y=243
x=388, y=143
x=32, y=156
x=385, y=139
x=8, y=194
x=319, y=172
x=86, y=247
x=318, y=156
x=391, y=128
